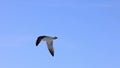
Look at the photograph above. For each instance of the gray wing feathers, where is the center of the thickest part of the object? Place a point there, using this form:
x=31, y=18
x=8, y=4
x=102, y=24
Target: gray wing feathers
x=50, y=47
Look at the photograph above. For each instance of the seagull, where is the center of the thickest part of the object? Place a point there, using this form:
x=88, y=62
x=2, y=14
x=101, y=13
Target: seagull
x=49, y=41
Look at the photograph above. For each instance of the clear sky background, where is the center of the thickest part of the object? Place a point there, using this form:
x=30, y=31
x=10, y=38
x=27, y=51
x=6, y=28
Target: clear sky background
x=88, y=33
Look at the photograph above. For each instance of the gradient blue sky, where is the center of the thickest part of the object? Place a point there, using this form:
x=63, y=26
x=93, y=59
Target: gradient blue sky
x=88, y=33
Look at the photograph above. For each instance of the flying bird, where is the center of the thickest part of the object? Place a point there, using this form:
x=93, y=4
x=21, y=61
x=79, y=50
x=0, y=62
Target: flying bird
x=49, y=41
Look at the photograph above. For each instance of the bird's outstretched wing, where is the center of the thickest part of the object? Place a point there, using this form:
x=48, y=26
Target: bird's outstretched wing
x=50, y=47
x=39, y=39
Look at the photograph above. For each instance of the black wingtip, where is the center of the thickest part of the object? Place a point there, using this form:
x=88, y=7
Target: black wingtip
x=51, y=52
x=37, y=43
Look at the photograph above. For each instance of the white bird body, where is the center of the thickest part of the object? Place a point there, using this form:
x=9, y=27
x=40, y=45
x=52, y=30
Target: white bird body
x=47, y=38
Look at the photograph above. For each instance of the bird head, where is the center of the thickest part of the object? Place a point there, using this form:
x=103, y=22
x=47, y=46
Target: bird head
x=55, y=37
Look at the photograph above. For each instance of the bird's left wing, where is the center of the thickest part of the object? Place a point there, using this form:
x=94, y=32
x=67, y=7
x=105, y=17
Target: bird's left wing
x=39, y=40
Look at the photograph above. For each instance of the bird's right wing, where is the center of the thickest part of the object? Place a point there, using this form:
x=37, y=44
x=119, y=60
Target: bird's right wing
x=50, y=47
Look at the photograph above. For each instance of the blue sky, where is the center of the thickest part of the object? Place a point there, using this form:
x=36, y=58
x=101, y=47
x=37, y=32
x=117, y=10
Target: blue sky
x=88, y=33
